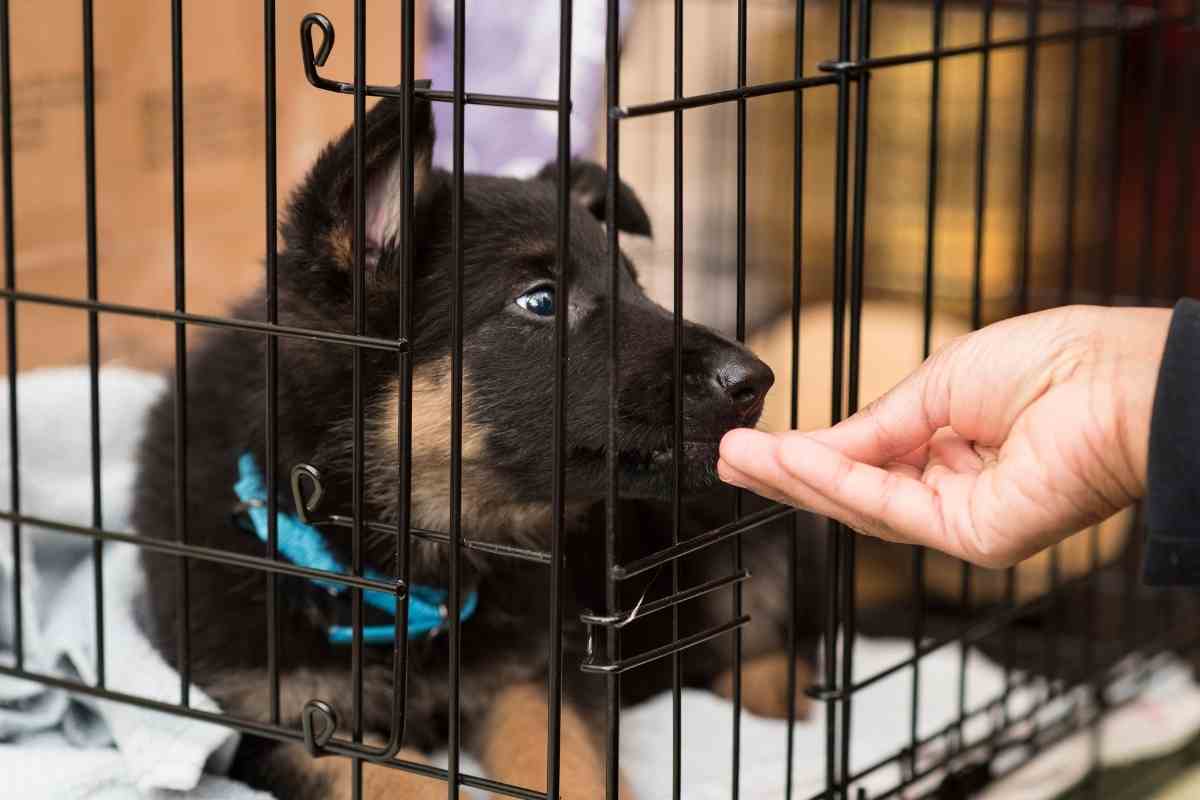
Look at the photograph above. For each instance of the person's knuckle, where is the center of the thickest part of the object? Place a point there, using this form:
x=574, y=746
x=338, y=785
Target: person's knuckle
x=876, y=416
x=889, y=489
x=843, y=472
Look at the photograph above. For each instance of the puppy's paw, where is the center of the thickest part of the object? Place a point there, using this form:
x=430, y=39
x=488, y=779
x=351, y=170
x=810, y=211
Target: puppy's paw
x=387, y=783
x=765, y=686
x=332, y=778
x=514, y=746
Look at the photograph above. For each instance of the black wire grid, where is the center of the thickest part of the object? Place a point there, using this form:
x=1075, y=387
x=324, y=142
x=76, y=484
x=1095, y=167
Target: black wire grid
x=847, y=71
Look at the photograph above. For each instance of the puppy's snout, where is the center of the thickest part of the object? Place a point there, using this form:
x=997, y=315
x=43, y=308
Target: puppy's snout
x=744, y=381
x=725, y=385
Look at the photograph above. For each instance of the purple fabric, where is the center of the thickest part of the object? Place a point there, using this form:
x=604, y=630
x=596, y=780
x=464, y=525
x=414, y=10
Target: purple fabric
x=512, y=49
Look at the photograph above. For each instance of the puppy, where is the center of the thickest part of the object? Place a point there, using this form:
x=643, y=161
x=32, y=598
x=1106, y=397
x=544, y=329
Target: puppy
x=509, y=230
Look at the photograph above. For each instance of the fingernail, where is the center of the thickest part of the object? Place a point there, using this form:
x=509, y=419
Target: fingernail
x=737, y=445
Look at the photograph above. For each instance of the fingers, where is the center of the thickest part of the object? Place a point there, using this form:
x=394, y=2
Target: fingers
x=888, y=503
x=794, y=495
x=744, y=480
x=896, y=424
x=948, y=449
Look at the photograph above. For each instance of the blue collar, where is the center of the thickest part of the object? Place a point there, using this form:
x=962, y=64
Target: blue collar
x=303, y=545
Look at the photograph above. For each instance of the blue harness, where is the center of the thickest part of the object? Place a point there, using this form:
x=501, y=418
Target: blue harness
x=303, y=545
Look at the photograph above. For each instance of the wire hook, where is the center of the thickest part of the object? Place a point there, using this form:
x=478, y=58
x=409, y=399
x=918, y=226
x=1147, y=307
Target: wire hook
x=317, y=58
x=327, y=36
x=320, y=721
x=305, y=506
x=314, y=57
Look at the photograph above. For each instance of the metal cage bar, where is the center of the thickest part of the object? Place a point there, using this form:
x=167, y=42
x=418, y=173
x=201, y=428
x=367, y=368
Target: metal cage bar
x=208, y=321
x=566, y=17
x=794, y=389
x=931, y=201
x=740, y=333
x=978, y=231
x=10, y=284
x=838, y=535
x=271, y=179
x=858, y=226
x=454, y=599
x=677, y=274
x=183, y=610
x=359, y=283
x=849, y=72
x=89, y=162
x=612, y=68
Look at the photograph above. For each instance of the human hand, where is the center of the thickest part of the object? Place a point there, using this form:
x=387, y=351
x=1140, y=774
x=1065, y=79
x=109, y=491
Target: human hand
x=1001, y=444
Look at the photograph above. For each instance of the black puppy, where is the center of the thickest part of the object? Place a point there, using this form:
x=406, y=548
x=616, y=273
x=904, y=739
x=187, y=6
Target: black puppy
x=509, y=290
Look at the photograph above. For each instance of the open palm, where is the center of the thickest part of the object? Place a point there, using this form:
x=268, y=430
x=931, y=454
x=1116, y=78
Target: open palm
x=1001, y=444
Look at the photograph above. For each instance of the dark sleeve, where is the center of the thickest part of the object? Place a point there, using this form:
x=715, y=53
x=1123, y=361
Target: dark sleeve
x=1172, y=507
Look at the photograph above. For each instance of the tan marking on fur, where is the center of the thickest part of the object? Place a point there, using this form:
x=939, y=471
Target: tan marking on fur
x=513, y=746
x=431, y=416
x=379, y=783
x=764, y=686
x=245, y=693
x=487, y=503
x=341, y=244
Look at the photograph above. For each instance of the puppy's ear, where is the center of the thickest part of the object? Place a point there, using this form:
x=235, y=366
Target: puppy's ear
x=589, y=188
x=320, y=219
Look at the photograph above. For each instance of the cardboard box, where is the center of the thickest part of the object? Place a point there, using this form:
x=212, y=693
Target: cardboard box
x=224, y=165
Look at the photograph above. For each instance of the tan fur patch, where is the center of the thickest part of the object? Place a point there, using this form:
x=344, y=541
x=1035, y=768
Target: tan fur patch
x=513, y=746
x=341, y=245
x=379, y=783
x=246, y=694
x=764, y=686
x=487, y=503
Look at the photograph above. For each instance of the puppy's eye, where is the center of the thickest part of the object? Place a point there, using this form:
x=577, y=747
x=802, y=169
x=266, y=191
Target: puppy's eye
x=539, y=301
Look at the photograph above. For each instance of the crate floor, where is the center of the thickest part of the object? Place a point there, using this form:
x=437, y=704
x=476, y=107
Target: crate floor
x=54, y=420
x=1172, y=777
x=1162, y=718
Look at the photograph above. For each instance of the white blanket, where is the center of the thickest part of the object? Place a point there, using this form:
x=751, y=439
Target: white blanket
x=58, y=744
x=69, y=745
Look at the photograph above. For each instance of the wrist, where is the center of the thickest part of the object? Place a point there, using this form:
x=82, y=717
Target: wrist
x=1134, y=341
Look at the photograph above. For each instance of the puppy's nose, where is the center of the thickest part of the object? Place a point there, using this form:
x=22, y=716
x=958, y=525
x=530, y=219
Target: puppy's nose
x=745, y=381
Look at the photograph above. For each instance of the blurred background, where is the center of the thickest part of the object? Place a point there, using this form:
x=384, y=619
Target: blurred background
x=1113, y=203
x=512, y=48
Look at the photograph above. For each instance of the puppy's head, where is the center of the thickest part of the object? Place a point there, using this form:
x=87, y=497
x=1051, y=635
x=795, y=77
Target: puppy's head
x=511, y=292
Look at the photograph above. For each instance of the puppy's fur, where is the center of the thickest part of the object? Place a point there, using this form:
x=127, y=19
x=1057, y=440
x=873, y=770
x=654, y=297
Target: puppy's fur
x=510, y=247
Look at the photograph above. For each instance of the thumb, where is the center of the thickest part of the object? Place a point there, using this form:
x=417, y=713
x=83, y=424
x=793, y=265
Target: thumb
x=896, y=424
x=889, y=504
